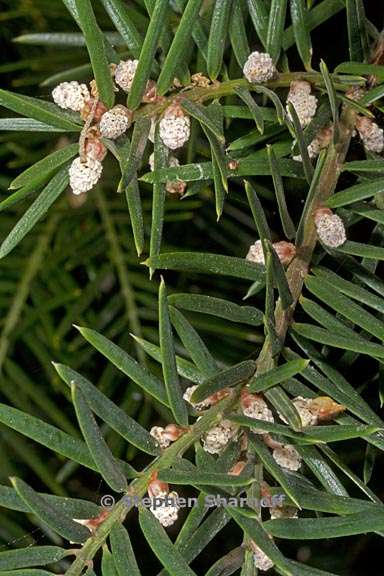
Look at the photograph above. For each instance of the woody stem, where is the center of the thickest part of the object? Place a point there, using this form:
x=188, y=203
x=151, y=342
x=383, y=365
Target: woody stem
x=138, y=487
x=228, y=88
x=300, y=265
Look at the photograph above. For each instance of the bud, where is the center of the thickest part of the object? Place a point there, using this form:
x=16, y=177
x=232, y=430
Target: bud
x=93, y=523
x=173, y=432
x=355, y=93
x=321, y=141
x=171, y=186
x=200, y=80
x=115, y=122
x=70, y=95
x=254, y=406
x=157, y=488
x=287, y=457
x=198, y=406
x=175, y=127
x=216, y=439
x=324, y=408
x=89, y=107
x=166, y=509
x=165, y=436
x=303, y=101
x=370, y=133
x=207, y=402
x=314, y=410
x=285, y=251
x=175, y=187
x=259, y=68
x=256, y=253
x=330, y=228
x=83, y=176
x=157, y=432
x=261, y=560
x=125, y=73
x=303, y=406
x=94, y=148
x=150, y=94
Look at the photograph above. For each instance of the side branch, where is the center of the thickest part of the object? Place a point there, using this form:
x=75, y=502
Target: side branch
x=300, y=265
